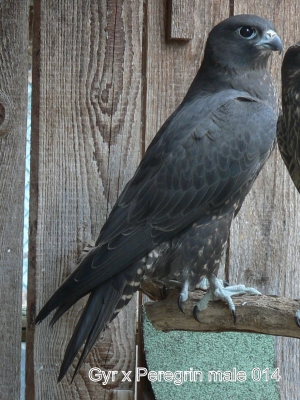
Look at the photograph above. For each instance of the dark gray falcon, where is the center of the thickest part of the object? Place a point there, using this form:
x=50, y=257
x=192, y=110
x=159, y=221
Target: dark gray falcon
x=172, y=220
x=288, y=126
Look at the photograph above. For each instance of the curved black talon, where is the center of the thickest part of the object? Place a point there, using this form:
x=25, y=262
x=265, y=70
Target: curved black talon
x=179, y=302
x=195, y=314
x=225, y=283
x=234, y=316
x=297, y=320
x=165, y=292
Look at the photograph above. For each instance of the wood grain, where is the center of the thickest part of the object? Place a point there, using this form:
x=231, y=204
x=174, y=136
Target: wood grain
x=271, y=315
x=264, y=242
x=105, y=81
x=7, y=114
x=13, y=109
x=181, y=19
x=86, y=143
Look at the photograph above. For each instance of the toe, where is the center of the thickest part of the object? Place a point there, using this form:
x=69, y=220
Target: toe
x=184, y=295
x=297, y=318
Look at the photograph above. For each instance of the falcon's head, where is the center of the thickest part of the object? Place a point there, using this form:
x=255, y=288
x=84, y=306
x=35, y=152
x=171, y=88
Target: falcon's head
x=243, y=42
x=290, y=72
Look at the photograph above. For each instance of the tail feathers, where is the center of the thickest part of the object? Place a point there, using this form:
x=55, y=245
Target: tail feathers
x=99, y=326
x=103, y=305
x=128, y=292
x=95, y=316
x=68, y=293
x=79, y=283
x=62, y=309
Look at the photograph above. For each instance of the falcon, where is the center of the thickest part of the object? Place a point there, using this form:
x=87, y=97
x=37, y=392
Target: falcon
x=288, y=126
x=172, y=220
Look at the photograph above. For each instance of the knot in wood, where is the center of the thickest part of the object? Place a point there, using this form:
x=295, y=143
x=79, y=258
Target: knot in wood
x=2, y=113
x=5, y=113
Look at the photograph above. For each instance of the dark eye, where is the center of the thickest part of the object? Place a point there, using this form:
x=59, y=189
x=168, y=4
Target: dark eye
x=247, y=32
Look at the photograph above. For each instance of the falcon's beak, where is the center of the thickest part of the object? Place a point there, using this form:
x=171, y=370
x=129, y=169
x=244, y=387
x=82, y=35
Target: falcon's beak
x=270, y=41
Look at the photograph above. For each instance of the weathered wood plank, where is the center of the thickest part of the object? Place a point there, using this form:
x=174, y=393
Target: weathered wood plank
x=86, y=143
x=271, y=315
x=181, y=19
x=264, y=244
x=13, y=109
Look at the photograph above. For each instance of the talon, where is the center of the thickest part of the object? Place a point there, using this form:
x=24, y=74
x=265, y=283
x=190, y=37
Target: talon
x=180, y=297
x=234, y=316
x=164, y=290
x=218, y=291
x=225, y=283
x=195, y=314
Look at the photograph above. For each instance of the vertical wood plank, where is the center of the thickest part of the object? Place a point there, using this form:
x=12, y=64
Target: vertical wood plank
x=13, y=108
x=86, y=143
x=181, y=19
x=264, y=242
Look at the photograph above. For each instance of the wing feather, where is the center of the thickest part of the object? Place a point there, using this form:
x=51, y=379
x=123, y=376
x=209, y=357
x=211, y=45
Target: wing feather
x=201, y=157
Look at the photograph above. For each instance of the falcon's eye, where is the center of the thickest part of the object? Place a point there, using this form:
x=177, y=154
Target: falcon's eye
x=247, y=32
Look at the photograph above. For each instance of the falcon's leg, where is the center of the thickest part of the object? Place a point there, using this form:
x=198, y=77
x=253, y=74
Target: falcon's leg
x=184, y=294
x=204, y=283
x=217, y=291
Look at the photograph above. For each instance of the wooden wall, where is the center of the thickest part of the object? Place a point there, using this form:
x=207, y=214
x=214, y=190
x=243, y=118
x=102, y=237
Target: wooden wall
x=264, y=244
x=13, y=109
x=86, y=143
x=104, y=80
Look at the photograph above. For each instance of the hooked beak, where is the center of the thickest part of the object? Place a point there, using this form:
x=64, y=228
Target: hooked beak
x=270, y=41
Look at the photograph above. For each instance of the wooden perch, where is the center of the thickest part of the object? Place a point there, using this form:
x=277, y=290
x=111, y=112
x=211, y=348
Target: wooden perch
x=271, y=315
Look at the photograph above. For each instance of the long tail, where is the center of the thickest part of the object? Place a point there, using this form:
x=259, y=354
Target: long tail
x=103, y=305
